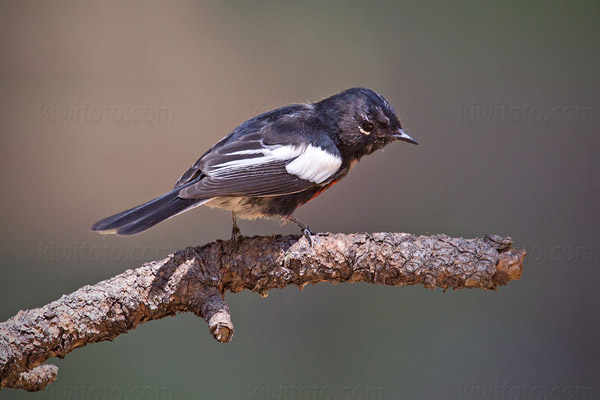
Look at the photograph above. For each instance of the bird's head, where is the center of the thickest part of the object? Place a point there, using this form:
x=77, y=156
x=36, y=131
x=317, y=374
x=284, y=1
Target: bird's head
x=365, y=120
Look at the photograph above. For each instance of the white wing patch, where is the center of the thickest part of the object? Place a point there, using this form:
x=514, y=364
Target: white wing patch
x=275, y=153
x=314, y=164
x=310, y=163
x=244, y=152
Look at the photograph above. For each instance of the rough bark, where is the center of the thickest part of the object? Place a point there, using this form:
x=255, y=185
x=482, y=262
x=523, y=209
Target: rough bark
x=195, y=279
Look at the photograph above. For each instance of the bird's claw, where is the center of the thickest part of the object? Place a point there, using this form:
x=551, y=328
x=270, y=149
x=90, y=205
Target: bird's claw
x=307, y=234
x=236, y=235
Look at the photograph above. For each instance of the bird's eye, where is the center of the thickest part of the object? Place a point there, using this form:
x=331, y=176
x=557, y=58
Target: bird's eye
x=366, y=127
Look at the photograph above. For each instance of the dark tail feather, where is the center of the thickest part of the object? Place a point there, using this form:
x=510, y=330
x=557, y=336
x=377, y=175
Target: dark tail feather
x=145, y=216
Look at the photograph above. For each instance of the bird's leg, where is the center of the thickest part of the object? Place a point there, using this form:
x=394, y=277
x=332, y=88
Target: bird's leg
x=305, y=229
x=236, y=234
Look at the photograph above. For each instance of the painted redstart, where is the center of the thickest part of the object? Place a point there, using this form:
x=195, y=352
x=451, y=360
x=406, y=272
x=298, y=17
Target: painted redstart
x=275, y=162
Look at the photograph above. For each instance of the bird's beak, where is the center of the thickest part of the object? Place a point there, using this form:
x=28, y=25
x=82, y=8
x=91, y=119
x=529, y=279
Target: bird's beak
x=401, y=135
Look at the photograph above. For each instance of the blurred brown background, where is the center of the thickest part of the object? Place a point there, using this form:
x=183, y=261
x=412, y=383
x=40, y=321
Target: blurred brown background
x=103, y=105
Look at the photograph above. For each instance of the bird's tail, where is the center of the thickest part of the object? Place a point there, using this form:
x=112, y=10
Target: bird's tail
x=145, y=216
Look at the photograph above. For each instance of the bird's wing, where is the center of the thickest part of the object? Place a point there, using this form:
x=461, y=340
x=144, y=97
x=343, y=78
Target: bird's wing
x=263, y=165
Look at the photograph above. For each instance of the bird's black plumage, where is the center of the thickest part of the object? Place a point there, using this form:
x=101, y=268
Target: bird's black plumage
x=275, y=162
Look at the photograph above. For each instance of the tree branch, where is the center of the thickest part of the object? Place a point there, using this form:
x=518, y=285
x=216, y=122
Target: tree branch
x=195, y=279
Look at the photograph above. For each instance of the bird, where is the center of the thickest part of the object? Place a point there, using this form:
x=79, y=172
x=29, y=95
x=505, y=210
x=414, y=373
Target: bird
x=275, y=162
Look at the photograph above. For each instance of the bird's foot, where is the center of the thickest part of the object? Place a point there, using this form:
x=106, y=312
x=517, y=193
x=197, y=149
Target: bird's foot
x=236, y=236
x=307, y=234
x=304, y=229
